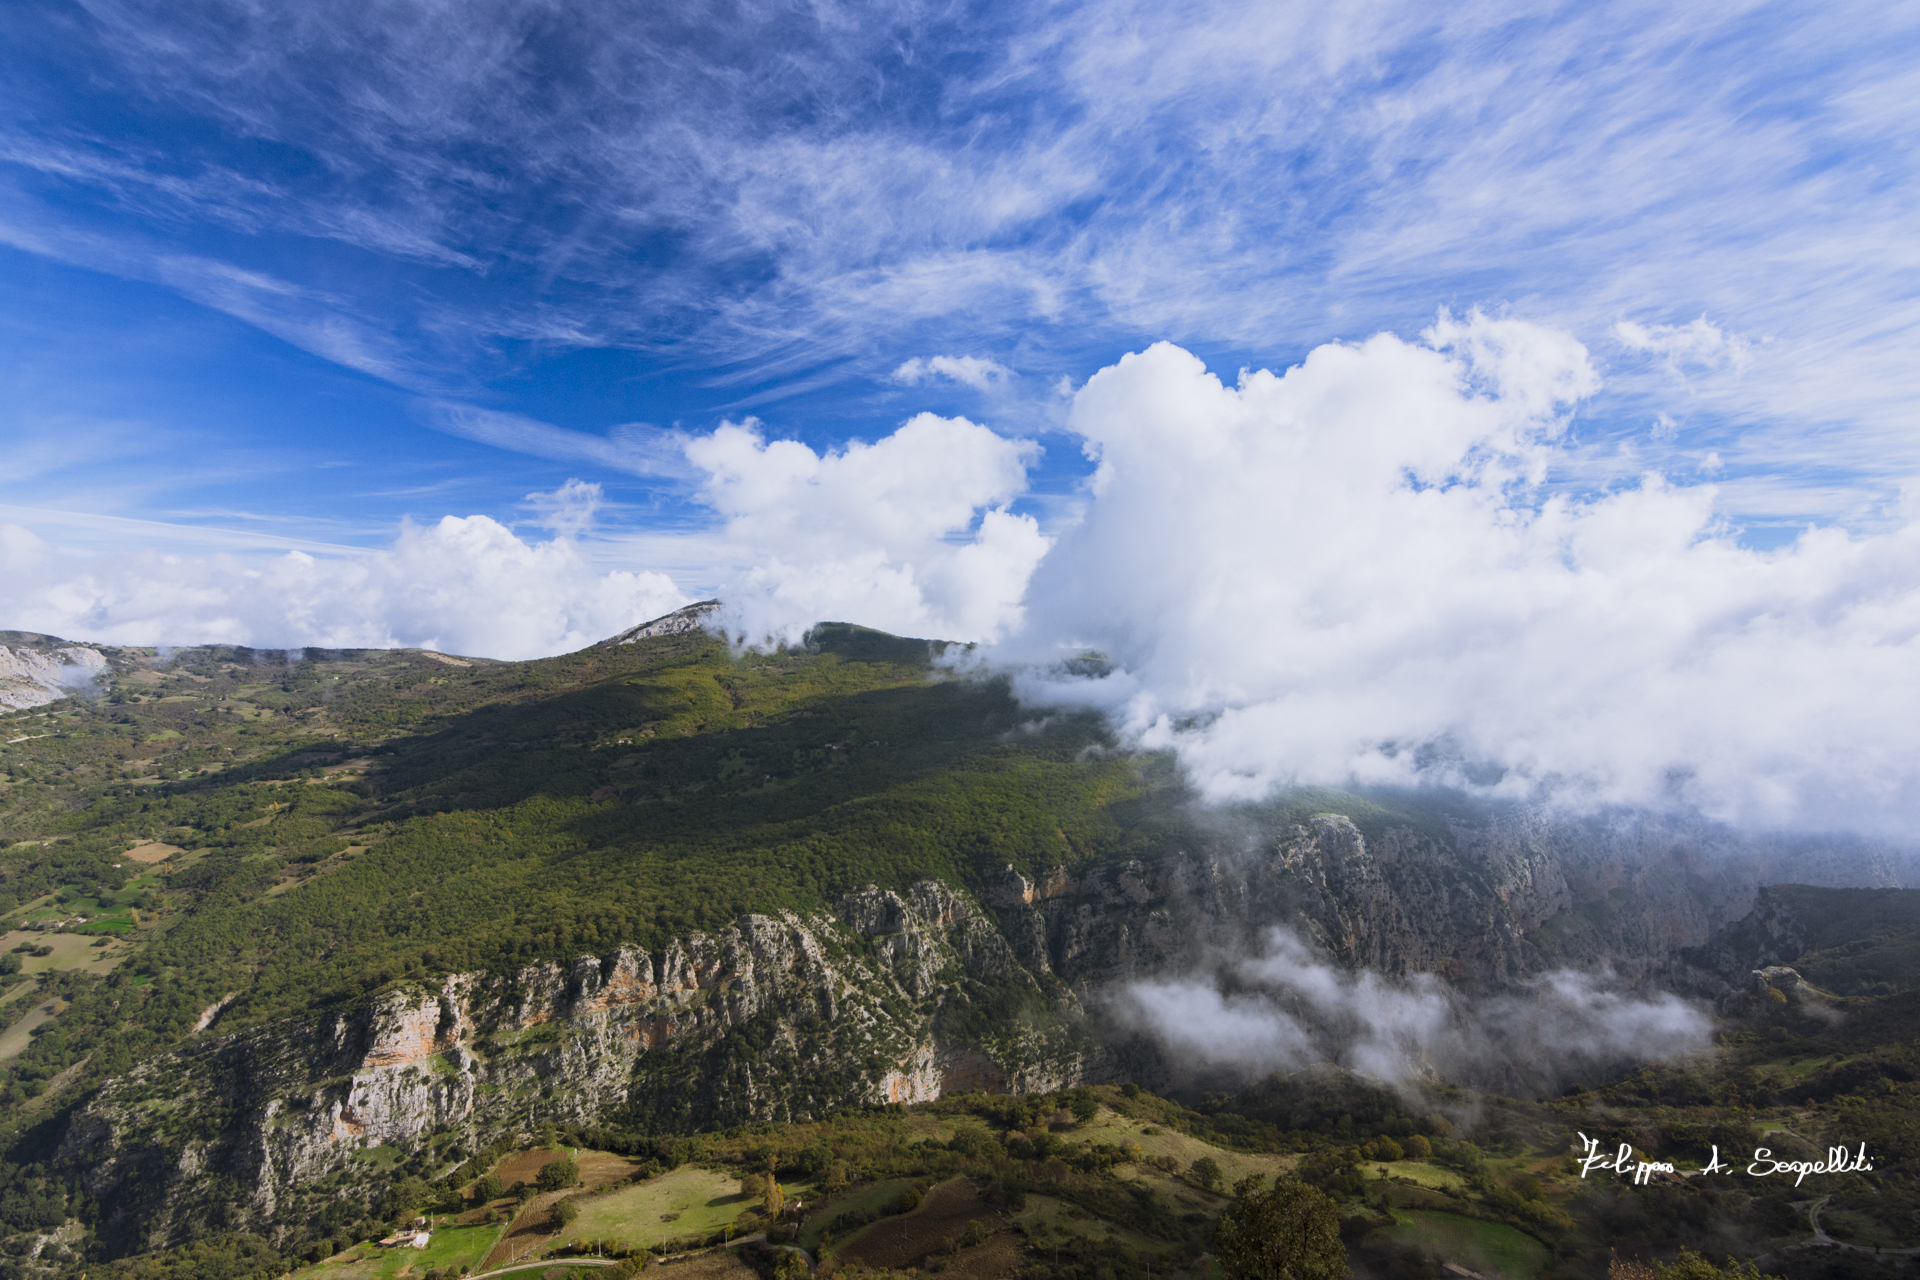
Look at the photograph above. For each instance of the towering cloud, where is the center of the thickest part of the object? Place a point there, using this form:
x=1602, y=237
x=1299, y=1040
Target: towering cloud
x=1366, y=569
x=909, y=534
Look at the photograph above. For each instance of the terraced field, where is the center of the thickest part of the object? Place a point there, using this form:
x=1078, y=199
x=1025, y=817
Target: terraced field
x=900, y=1242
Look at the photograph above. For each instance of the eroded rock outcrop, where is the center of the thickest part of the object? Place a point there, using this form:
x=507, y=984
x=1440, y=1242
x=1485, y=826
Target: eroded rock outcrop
x=776, y=1017
x=37, y=670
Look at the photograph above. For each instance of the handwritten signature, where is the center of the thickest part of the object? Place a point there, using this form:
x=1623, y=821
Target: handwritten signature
x=1624, y=1163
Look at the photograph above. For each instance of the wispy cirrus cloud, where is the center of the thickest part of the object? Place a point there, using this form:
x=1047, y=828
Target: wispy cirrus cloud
x=632, y=448
x=977, y=372
x=791, y=196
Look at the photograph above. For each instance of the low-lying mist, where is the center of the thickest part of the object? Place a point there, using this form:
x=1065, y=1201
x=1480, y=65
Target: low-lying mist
x=1289, y=1007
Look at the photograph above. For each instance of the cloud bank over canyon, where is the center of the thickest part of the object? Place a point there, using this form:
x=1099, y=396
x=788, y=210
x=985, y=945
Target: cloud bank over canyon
x=1376, y=566
x=1289, y=1007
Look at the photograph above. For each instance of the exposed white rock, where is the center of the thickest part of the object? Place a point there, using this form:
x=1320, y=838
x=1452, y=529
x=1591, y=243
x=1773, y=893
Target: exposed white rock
x=33, y=677
x=681, y=621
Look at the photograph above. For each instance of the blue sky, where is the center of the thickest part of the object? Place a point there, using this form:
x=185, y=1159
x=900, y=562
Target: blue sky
x=249, y=247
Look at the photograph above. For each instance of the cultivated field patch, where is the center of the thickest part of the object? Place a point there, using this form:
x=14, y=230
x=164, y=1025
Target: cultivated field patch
x=525, y=1166
x=531, y=1231
x=1476, y=1245
x=1112, y=1128
x=153, y=851
x=1000, y=1258
x=902, y=1241
x=689, y=1201
x=69, y=951
x=451, y=1247
x=603, y=1169
x=1427, y=1175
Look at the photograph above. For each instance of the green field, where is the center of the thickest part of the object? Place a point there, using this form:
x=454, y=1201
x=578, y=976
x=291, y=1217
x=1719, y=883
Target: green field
x=1427, y=1175
x=1057, y=1222
x=454, y=1247
x=868, y=1199
x=1473, y=1244
x=1111, y=1127
x=703, y=1200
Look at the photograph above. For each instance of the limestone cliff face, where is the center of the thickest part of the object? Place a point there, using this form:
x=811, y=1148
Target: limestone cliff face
x=777, y=1017
x=898, y=996
x=1481, y=905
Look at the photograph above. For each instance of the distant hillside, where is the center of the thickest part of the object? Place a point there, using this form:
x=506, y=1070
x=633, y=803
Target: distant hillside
x=1852, y=942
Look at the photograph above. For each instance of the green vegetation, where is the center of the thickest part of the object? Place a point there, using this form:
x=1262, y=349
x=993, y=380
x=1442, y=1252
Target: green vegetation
x=689, y=1202
x=1290, y=1231
x=313, y=831
x=1476, y=1243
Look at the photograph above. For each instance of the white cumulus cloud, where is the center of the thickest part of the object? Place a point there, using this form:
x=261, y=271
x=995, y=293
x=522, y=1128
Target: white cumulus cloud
x=463, y=585
x=1351, y=571
x=910, y=534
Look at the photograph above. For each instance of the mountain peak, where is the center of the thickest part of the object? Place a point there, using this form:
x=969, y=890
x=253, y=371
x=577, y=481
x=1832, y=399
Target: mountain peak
x=692, y=617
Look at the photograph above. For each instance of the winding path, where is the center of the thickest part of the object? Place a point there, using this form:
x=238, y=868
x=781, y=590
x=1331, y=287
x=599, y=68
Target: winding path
x=1821, y=1240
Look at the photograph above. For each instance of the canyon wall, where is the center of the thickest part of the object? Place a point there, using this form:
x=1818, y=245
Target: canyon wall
x=896, y=996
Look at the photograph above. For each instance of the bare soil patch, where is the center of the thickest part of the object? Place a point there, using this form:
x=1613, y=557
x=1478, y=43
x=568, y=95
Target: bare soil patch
x=900, y=1242
x=1000, y=1258
x=597, y=1168
x=153, y=851
x=531, y=1230
x=534, y=1228
x=525, y=1166
x=602, y=1169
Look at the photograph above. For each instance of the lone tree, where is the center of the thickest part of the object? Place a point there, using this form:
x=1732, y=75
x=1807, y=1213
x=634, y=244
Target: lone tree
x=1206, y=1172
x=558, y=1173
x=1289, y=1233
